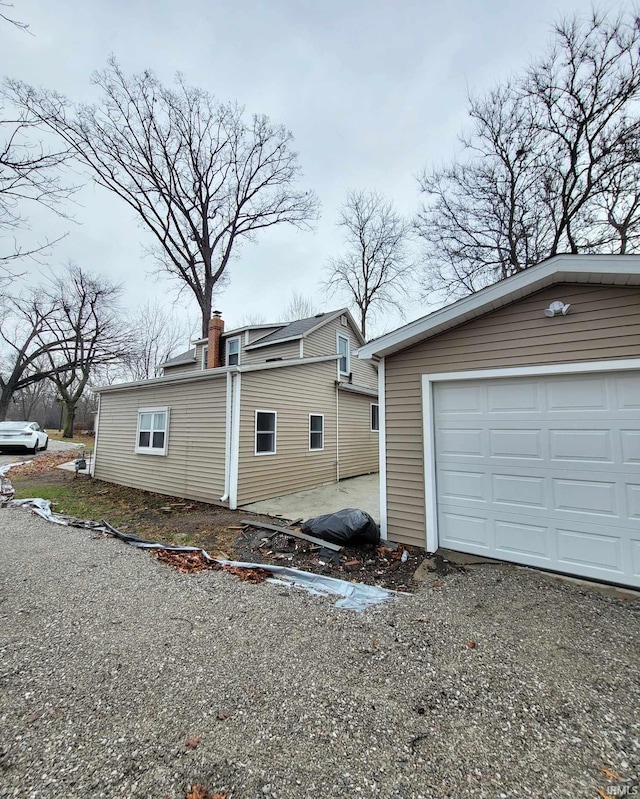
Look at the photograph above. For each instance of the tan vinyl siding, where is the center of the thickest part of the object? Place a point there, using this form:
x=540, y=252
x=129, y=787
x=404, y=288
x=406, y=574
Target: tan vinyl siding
x=358, y=445
x=603, y=324
x=180, y=369
x=195, y=462
x=293, y=392
x=324, y=342
x=286, y=351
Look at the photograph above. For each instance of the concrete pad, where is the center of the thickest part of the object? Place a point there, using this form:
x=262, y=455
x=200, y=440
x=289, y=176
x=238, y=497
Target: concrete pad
x=356, y=492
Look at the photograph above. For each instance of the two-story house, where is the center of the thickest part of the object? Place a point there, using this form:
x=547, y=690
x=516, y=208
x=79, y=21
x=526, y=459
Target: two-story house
x=246, y=414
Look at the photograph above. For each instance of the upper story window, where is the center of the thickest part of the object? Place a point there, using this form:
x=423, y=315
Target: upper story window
x=205, y=355
x=233, y=351
x=375, y=418
x=344, y=364
x=153, y=431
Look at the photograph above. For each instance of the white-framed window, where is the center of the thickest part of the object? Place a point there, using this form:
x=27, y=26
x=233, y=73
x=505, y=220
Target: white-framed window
x=153, y=431
x=266, y=429
x=344, y=351
x=316, y=431
x=205, y=355
x=233, y=351
x=375, y=417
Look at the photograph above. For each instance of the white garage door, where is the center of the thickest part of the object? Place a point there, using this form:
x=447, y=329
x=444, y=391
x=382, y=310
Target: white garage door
x=542, y=471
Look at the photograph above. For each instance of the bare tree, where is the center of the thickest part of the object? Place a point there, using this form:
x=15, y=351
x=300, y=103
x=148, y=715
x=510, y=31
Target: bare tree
x=550, y=166
x=24, y=325
x=156, y=335
x=299, y=307
x=375, y=270
x=199, y=176
x=23, y=26
x=30, y=174
x=87, y=330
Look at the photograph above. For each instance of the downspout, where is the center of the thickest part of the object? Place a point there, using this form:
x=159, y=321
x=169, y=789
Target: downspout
x=95, y=439
x=227, y=438
x=382, y=444
x=235, y=442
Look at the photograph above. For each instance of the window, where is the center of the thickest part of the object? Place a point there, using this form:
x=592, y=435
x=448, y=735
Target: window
x=153, y=428
x=344, y=364
x=205, y=355
x=266, y=422
x=233, y=351
x=375, y=418
x=316, y=431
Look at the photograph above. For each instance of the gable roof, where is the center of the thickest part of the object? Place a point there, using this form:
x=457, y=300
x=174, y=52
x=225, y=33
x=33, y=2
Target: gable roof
x=185, y=357
x=301, y=328
x=617, y=270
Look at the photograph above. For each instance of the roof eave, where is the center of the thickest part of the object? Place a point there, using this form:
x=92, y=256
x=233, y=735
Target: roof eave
x=560, y=269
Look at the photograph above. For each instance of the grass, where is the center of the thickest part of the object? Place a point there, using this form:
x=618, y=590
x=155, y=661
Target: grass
x=78, y=438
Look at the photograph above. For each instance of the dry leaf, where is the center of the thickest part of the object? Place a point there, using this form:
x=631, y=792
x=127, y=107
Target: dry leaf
x=192, y=743
x=471, y=644
x=223, y=714
x=437, y=585
x=610, y=775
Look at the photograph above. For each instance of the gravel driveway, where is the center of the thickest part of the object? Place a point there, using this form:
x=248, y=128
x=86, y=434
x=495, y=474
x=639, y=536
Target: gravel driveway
x=112, y=662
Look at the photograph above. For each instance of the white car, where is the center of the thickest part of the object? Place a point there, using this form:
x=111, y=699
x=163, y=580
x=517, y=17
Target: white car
x=23, y=435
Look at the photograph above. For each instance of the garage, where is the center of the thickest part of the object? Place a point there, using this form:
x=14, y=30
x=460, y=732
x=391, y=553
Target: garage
x=510, y=421
x=543, y=471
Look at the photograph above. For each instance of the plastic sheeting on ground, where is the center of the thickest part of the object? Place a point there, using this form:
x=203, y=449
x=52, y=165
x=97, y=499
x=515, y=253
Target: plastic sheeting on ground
x=352, y=596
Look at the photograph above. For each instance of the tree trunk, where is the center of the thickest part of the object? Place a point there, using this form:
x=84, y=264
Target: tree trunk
x=69, y=418
x=5, y=401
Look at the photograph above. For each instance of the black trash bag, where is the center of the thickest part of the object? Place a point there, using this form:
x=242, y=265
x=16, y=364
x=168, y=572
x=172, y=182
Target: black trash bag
x=349, y=527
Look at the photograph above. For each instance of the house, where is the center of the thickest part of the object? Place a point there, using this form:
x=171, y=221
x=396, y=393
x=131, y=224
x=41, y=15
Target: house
x=245, y=415
x=510, y=421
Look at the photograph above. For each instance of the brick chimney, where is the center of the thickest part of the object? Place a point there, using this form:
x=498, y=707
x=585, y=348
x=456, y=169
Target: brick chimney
x=214, y=353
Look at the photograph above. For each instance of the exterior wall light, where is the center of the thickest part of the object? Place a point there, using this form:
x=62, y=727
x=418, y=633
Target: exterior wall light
x=557, y=307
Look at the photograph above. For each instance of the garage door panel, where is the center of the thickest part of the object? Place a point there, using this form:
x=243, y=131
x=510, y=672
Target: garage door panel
x=529, y=540
x=547, y=474
x=462, y=442
x=628, y=392
x=585, y=497
x=581, y=445
x=513, y=398
x=515, y=444
x=518, y=491
x=457, y=399
x=459, y=528
x=577, y=394
x=463, y=485
x=630, y=440
x=633, y=501
x=590, y=548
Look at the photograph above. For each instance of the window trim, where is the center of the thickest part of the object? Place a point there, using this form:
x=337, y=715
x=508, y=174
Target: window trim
x=227, y=353
x=151, y=450
x=316, y=449
x=255, y=432
x=205, y=356
x=346, y=338
x=372, y=406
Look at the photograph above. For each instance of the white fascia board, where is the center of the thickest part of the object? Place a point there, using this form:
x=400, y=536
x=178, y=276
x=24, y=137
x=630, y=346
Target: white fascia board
x=186, y=377
x=349, y=387
x=603, y=269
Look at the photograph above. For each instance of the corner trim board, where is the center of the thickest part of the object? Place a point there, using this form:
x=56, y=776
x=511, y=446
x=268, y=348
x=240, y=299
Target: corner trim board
x=235, y=441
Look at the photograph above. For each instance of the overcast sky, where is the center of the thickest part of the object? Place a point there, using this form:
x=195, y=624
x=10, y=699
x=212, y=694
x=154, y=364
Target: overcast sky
x=372, y=92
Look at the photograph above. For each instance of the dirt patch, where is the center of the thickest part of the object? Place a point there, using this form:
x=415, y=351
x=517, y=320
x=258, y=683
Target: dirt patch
x=217, y=530
x=379, y=565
